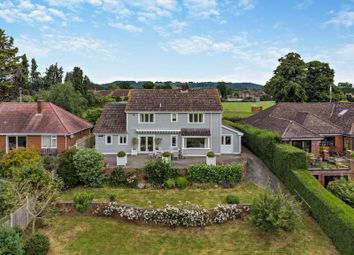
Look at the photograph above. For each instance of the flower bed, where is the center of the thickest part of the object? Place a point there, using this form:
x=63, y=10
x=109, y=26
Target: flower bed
x=185, y=215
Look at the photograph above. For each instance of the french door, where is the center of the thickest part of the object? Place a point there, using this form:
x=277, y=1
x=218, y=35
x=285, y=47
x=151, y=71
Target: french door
x=146, y=144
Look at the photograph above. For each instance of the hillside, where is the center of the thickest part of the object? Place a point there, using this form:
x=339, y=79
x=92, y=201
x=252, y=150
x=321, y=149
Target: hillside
x=232, y=85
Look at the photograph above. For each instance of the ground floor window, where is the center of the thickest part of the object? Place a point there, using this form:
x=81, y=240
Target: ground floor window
x=304, y=145
x=108, y=139
x=49, y=141
x=16, y=141
x=196, y=142
x=122, y=139
x=328, y=141
x=226, y=140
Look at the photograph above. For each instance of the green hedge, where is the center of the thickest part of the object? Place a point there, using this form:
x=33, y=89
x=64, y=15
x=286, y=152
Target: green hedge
x=230, y=173
x=289, y=164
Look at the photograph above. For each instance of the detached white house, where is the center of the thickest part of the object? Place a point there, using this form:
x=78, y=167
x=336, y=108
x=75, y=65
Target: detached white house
x=187, y=120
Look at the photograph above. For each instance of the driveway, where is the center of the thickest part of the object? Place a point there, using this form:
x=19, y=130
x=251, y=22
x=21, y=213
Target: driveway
x=259, y=173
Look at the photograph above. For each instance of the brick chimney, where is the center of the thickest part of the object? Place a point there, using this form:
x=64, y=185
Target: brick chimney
x=39, y=106
x=184, y=87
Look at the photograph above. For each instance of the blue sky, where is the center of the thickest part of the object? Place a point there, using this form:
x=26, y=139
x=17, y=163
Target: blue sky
x=197, y=40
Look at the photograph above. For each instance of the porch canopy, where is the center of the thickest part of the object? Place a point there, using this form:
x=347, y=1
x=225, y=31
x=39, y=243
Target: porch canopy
x=195, y=132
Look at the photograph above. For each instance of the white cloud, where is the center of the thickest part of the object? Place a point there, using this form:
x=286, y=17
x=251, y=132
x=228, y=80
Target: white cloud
x=202, y=8
x=343, y=18
x=246, y=4
x=346, y=52
x=126, y=27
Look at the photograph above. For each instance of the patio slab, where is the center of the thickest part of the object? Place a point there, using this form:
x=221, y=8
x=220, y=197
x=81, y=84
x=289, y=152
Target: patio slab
x=139, y=161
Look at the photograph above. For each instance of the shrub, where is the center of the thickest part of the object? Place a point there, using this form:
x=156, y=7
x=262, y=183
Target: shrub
x=34, y=175
x=121, y=154
x=230, y=173
x=210, y=154
x=17, y=158
x=50, y=163
x=89, y=164
x=7, y=197
x=157, y=171
x=66, y=168
x=343, y=189
x=112, y=197
x=170, y=183
x=166, y=154
x=232, y=199
x=117, y=177
x=181, y=182
x=10, y=241
x=273, y=211
x=82, y=201
x=132, y=179
x=38, y=244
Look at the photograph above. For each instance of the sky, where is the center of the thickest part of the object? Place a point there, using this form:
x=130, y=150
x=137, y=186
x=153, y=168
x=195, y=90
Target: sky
x=187, y=40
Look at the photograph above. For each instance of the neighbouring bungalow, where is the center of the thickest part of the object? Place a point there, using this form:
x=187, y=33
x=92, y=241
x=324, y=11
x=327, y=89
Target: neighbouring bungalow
x=325, y=129
x=41, y=125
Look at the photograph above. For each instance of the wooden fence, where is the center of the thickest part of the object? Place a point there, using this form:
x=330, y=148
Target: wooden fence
x=20, y=217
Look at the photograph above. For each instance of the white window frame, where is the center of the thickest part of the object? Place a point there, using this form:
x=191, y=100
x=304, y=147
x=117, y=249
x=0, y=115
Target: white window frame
x=174, y=146
x=142, y=121
x=223, y=140
x=123, y=136
x=173, y=121
x=52, y=138
x=184, y=143
x=106, y=139
x=194, y=113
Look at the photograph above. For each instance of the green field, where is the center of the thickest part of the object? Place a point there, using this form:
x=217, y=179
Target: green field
x=242, y=110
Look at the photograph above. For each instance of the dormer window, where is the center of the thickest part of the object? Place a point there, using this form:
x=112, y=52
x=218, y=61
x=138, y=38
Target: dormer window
x=196, y=118
x=146, y=118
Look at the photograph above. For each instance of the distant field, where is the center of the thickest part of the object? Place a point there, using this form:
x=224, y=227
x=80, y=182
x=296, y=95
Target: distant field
x=242, y=109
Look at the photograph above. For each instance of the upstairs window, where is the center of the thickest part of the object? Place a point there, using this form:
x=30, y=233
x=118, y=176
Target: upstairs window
x=196, y=118
x=146, y=118
x=49, y=141
x=174, y=117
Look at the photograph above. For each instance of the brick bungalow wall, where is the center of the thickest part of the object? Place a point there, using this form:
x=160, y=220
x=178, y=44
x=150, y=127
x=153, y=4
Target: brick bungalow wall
x=315, y=147
x=3, y=143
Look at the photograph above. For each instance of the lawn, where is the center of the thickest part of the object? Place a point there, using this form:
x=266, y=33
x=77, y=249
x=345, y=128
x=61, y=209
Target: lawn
x=96, y=235
x=242, y=109
x=159, y=198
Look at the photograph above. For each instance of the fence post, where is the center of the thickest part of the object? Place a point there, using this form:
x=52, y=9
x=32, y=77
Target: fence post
x=27, y=209
x=11, y=220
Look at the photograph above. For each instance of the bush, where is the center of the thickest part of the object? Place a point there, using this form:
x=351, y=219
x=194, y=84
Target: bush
x=158, y=171
x=343, y=189
x=273, y=211
x=38, y=244
x=117, y=177
x=7, y=197
x=181, y=182
x=202, y=173
x=66, y=168
x=82, y=201
x=170, y=183
x=132, y=179
x=10, y=241
x=210, y=154
x=50, y=163
x=289, y=164
x=121, y=154
x=112, y=197
x=89, y=166
x=34, y=175
x=166, y=154
x=17, y=158
x=232, y=199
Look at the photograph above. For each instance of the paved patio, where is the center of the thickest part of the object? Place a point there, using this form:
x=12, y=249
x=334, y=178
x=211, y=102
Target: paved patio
x=139, y=161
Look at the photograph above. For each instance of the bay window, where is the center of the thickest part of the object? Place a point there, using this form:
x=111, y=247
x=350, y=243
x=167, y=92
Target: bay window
x=196, y=142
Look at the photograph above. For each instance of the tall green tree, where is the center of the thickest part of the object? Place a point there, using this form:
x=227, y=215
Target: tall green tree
x=9, y=64
x=21, y=78
x=53, y=75
x=35, y=78
x=224, y=90
x=287, y=81
x=148, y=85
x=346, y=87
x=76, y=77
x=87, y=84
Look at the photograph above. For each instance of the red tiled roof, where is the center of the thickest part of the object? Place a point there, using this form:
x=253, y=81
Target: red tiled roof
x=113, y=93
x=174, y=100
x=113, y=119
x=23, y=118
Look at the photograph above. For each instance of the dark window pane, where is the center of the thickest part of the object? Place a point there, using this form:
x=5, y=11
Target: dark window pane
x=21, y=141
x=12, y=142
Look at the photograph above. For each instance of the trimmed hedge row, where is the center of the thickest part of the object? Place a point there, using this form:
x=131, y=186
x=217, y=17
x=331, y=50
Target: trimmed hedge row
x=230, y=173
x=289, y=163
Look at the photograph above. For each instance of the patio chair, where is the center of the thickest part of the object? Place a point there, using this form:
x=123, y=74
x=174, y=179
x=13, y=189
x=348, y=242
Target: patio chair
x=174, y=154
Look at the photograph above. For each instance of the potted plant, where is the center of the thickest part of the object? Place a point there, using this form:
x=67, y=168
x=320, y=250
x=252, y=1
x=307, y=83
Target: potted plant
x=122, y=159
x=157, y=143
x=211, y=159
x=166, y=156
x=134, y=149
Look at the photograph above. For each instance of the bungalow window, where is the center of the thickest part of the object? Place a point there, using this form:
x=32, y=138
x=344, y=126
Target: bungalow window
x=122, y=139
x=174, y=117
x=196, y=142
x=174, y=141
x=49, y=141
x=303, y=145
x=108, y=139
x=196, y=118
x=146, y=118
x=16, y=141
x=328, y=142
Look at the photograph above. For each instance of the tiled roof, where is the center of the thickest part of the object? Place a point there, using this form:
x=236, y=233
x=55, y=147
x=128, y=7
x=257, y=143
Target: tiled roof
x=112, y=120
x=24, y=118
x=195, y=132
x=174, y=100
x=113, y=93
x=301, y=120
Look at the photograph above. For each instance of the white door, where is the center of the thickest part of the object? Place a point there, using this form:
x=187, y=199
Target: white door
x=226, y=144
